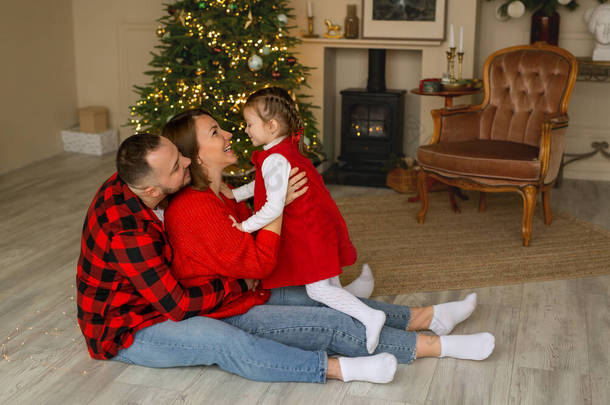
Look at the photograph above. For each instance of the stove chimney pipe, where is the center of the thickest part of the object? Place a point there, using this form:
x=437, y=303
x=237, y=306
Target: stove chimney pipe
x=376, y=81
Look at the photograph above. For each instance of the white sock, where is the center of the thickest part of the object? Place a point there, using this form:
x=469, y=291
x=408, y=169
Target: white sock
x=362, y=287
x=468, y=347
x=341, y=300
x=446, y=316
x=379, y=368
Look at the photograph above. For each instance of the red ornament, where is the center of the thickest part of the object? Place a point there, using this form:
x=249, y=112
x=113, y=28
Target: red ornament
x=291, y=60
x=216, y=50
x=276, y=74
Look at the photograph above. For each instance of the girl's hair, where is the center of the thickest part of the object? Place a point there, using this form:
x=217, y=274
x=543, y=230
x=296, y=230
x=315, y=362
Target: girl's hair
x=276, y=103
x=180, y=129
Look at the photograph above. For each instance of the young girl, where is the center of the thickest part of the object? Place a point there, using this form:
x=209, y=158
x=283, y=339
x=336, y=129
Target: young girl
x=315, y=244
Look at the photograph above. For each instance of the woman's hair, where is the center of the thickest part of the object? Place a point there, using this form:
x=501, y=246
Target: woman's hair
x=276, y=103
x=131, y=164
x=180, y=129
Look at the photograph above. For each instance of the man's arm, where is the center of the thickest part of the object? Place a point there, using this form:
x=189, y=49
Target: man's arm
x=140, y=258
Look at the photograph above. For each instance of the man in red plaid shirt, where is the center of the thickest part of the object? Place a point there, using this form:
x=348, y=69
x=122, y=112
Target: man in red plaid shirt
x=124, y=281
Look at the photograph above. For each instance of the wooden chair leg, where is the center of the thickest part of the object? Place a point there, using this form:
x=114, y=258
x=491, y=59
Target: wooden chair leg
x=546, y=204
x=529, y=203
x=482, y=201
x=423, y=194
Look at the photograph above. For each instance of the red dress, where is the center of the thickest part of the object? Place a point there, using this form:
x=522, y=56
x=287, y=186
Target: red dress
x=314, y=244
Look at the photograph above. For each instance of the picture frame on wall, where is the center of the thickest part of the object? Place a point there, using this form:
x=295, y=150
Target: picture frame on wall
x=403, y=19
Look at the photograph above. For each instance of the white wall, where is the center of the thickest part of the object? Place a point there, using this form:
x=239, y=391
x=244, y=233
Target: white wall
x=37, y=80
x=113, y=41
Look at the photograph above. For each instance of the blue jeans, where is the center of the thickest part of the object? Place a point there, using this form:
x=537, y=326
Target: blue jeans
x=287, y=339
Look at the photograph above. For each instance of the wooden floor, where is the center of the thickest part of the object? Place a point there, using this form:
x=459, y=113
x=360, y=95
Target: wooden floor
x=552, y=338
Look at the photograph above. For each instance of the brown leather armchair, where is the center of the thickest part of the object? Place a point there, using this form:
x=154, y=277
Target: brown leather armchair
x=513, y=141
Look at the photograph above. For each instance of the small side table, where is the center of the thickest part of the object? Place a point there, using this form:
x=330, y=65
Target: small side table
x=448, y=94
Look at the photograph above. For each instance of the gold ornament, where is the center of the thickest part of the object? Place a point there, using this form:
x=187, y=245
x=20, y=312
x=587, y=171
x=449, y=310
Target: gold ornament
x=181, y=17
x=249, y=19
x=160, y=32
x=333, y=31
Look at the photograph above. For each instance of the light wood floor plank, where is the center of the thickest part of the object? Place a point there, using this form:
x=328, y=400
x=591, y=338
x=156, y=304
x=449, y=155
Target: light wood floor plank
x=548, y=387
x=484, y=382
x=597, y=310
x=552, y=334
x=121, y=393
x=215, y=386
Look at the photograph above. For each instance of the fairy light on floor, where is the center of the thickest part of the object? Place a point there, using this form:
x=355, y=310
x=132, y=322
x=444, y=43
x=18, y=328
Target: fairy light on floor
x=16, y=341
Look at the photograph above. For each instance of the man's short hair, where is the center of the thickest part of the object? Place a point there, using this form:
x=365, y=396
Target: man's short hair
x=131, y=163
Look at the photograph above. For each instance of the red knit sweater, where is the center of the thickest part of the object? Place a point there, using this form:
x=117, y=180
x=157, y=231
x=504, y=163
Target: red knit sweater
x=206, y=245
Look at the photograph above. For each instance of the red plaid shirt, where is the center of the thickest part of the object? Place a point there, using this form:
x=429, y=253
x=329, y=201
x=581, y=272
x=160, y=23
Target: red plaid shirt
x=123, y=280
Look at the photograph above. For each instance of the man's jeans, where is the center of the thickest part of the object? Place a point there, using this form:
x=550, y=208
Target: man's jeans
x=287, y=339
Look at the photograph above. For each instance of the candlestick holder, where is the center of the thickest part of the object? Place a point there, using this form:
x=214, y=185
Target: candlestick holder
x=445, y=79
x=451, y=64
x=460, y=56
x=310, y=33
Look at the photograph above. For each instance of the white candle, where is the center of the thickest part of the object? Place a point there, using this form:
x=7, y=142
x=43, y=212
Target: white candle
x=451, y=37
x=309, y=9
x=461, y=38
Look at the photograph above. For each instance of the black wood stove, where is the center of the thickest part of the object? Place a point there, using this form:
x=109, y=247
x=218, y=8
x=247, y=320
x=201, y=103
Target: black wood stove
x=371, y=129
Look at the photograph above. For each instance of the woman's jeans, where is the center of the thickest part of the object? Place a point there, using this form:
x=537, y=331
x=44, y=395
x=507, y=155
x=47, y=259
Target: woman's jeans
x=287, y=339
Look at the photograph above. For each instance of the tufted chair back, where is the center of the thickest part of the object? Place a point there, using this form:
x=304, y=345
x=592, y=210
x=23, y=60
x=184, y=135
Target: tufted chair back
x=526, y=87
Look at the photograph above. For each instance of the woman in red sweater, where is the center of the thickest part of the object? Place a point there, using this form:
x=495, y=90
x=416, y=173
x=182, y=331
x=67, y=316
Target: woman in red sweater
x=199, y=222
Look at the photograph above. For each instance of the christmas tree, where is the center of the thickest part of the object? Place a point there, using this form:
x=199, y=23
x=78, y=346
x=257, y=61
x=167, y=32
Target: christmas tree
x=213, y=54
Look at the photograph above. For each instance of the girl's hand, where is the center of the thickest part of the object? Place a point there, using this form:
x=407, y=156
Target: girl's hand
x=226, y=191
x=251, y=283
x=296, y=182
x=236, y=224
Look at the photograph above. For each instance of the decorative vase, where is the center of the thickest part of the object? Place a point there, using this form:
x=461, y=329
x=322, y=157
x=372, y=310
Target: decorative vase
x=351, y=22
x=545, y=28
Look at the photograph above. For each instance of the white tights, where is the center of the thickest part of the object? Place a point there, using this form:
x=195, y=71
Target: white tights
x=330, y=293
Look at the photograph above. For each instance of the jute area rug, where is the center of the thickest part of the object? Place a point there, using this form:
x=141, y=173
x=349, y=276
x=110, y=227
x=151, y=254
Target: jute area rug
x=467, y=250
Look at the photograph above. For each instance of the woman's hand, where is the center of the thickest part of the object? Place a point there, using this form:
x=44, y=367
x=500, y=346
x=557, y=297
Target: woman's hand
x=236, y=224
x=295, y=185
x=226, y=191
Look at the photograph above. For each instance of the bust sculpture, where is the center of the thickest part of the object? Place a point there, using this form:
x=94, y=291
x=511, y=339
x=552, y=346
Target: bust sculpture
x=598, y=20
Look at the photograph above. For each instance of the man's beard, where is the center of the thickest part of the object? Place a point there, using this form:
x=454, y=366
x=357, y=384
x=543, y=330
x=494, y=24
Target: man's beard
x=185, y=182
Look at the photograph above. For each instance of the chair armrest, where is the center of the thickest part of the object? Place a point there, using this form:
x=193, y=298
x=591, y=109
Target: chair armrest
x=551, y=146
x=559, y=122
x=458, y=123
